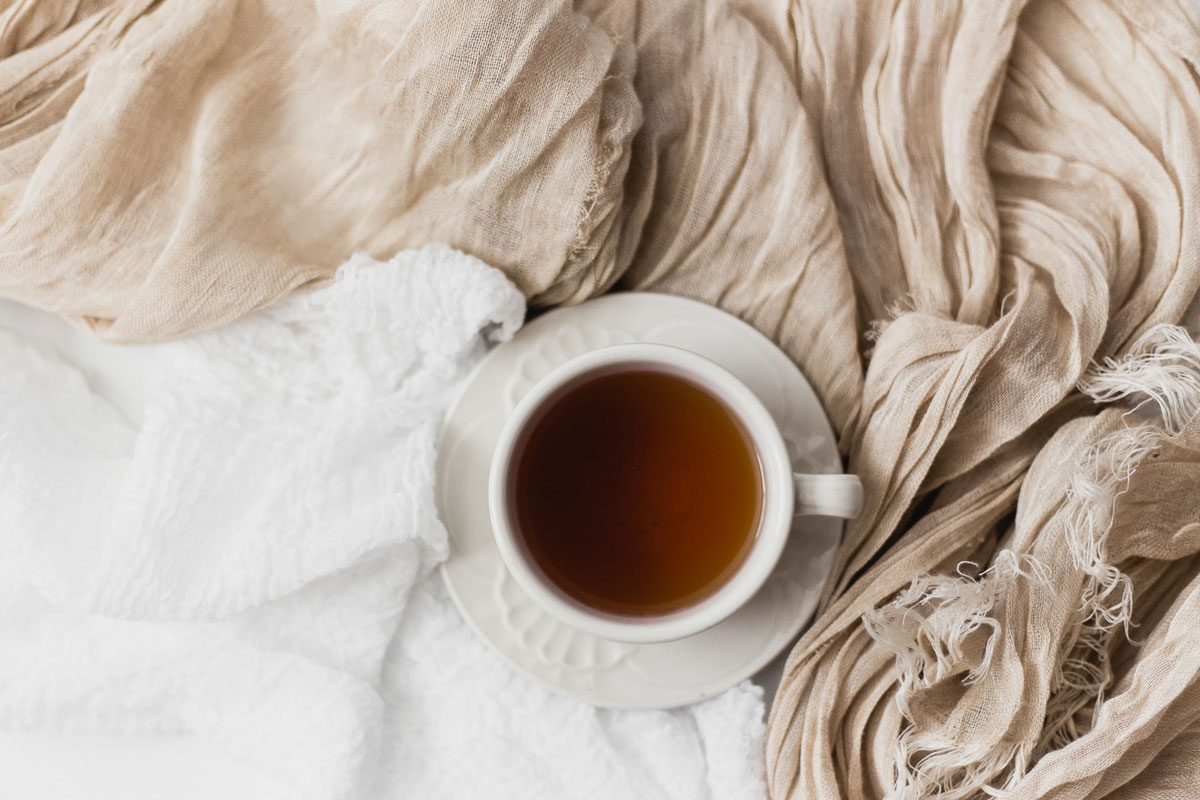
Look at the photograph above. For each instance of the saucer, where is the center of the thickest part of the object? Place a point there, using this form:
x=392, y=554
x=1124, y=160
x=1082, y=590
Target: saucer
x=599, y=671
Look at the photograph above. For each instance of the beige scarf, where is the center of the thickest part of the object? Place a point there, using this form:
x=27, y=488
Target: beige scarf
x=971, y=223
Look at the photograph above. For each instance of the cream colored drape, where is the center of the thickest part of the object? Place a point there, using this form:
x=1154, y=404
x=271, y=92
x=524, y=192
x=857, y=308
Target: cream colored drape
x=972, y=224
x=167, y=166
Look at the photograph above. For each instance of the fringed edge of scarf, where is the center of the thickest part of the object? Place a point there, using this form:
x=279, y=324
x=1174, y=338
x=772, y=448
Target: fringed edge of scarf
x=927, y=625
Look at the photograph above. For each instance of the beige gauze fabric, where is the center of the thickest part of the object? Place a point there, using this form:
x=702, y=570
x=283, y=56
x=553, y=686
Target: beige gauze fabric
x=1017, y=187
x=168, y=166
x=970, y=223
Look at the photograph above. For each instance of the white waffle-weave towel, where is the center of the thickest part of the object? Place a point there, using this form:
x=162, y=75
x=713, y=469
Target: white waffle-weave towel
x=249, y=561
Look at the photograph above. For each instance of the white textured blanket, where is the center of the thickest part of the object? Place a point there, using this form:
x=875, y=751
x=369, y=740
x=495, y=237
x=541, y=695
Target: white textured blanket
x=249, y=561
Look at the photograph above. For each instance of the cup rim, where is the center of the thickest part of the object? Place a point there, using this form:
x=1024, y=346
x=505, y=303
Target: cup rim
x=775, y=516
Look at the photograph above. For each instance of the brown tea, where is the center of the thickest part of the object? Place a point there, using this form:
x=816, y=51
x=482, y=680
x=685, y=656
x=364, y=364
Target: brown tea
x=637, y=492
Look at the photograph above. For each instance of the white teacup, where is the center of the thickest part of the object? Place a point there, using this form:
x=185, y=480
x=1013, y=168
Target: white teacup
x=784, y=494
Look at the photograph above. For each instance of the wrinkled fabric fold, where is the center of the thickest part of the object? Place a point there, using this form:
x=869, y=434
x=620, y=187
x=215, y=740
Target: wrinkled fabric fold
x=169, y=166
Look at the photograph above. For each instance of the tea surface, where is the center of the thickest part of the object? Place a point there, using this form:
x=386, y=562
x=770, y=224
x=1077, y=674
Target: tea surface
x=637, y=492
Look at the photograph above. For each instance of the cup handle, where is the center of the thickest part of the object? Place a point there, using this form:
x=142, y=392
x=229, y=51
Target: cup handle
x=828, y=495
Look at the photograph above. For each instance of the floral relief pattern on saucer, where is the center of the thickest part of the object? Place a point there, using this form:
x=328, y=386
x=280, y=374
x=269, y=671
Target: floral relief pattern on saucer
x=554, y=644
x=552, y=351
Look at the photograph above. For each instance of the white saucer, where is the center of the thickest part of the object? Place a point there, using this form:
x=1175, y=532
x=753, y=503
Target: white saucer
x=599, y=671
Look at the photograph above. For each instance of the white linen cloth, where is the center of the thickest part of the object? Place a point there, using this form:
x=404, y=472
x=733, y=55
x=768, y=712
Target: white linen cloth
x=250, y=561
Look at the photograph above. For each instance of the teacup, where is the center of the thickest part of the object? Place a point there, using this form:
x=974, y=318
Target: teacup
x=611, y=542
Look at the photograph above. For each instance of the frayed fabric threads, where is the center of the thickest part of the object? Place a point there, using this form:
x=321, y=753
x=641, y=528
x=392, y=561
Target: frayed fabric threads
x=1162, y=367
x=944, y=631
x=944, y=628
